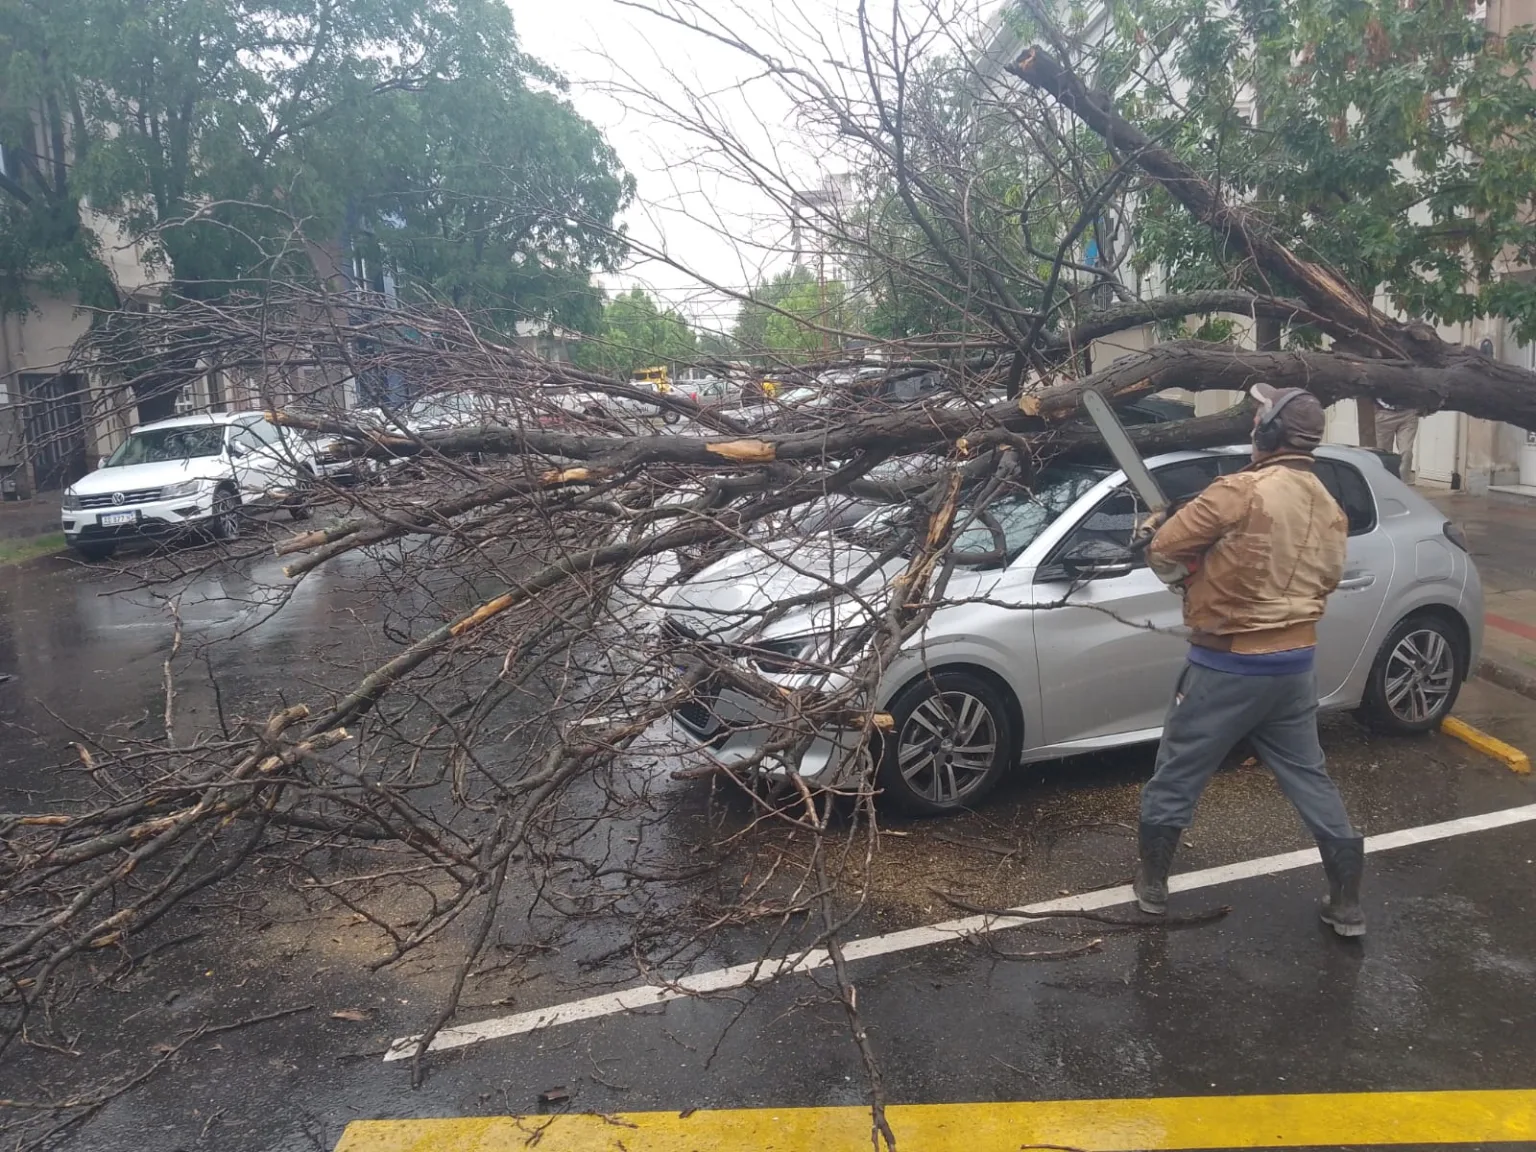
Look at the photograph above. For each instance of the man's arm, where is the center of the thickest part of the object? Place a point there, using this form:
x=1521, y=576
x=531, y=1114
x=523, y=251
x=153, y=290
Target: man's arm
x=1177, y=549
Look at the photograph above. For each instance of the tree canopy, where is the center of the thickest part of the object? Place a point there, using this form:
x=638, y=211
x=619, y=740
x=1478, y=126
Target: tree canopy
x=221, y=135
x=1394, y=142
x=635, y=334
x=792, y=316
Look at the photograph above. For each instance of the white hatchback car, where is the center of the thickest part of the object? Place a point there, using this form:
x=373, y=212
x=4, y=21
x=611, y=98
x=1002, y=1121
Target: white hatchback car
x=1054, y=637
x=187, y=474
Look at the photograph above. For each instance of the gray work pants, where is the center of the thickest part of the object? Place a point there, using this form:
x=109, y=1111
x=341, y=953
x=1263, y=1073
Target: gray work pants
x=1396, y=431
x=1211, y=711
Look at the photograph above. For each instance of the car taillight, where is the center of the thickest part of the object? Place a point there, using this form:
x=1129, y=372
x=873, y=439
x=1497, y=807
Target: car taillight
x=1456, y=536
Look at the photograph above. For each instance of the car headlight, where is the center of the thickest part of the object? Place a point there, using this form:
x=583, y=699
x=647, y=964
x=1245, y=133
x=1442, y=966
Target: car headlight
x=785, y=655
x=70, y=501
x=182, y=488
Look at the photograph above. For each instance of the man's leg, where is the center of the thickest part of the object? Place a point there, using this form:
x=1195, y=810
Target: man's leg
x=1386, y=430
x=1395, y=432
x=1407, y=433
x=1287, y=743
x=1210, y=712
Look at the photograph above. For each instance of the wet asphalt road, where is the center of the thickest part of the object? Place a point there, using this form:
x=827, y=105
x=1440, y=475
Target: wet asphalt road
x=1262, y=1000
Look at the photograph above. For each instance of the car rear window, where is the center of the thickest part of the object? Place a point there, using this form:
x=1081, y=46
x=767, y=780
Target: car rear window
x=1348, y=487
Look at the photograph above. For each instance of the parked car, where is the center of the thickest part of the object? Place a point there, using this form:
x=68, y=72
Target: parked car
x=763, y=411
x=333, y=458
x=1056, y=638
x=443, y=411
x=193, y=473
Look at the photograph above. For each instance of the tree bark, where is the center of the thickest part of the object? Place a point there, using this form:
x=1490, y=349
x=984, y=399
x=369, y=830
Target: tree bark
x=1488, y=389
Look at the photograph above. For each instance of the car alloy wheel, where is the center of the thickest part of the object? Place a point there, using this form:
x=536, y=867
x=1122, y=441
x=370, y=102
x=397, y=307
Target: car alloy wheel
x=226, y=516
x=1420, y=676
x=1416, y=676
x=947, y=747
x=303, y=493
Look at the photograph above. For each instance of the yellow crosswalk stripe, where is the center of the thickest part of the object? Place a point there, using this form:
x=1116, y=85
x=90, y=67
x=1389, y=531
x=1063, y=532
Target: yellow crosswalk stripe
x=1291, y=1121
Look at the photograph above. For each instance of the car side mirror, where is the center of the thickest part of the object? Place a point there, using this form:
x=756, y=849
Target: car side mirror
x=236, y=451
x=101, y=461
x=1098, y=560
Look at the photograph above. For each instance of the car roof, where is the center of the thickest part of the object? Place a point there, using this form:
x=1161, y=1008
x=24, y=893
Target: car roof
x=200, y=420
x=1363, y=457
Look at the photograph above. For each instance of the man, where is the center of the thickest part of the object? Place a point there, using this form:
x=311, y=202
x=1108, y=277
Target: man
x=1396, y=430
x=1255, y=555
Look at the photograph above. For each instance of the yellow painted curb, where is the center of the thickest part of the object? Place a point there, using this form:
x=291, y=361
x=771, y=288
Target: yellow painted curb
x=1181, y=1122
x=1512, y=758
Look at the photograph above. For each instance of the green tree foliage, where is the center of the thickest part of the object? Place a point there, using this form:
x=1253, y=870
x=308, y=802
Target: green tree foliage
x=635, y=334
x=214, y=129
x=1394, y=141
x=958, y=229
x=792, y=316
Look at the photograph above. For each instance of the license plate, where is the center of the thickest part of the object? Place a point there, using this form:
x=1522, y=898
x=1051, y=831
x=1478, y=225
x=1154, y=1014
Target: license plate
x=114, y=519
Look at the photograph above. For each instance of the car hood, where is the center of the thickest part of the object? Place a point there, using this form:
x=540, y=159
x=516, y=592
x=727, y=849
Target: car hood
x=728, y=600
x=154, y=475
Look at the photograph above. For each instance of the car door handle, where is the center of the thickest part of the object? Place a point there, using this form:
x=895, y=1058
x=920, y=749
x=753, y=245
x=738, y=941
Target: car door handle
x=1355, y=581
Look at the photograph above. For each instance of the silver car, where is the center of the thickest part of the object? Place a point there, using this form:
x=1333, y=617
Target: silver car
x=1054, y=638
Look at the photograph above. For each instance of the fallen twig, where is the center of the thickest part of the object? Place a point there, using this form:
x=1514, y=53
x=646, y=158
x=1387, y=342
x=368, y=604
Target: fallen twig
x=1188, y=920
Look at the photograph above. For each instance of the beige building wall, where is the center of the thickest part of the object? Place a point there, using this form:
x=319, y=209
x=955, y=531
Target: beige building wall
x=41, y=341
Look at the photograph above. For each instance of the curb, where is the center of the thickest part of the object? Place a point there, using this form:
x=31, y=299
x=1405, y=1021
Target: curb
x=1507, y=754
x=1505, y=676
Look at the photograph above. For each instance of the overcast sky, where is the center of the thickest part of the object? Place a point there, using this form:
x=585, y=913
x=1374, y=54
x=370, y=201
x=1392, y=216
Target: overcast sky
x=715, y=226
x=680, y=208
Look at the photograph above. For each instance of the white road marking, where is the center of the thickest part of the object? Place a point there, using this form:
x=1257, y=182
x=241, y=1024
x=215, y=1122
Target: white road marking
x=762, y=971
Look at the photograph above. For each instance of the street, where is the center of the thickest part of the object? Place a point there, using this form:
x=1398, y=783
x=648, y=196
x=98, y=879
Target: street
x=605, y=576
x=252, y=1021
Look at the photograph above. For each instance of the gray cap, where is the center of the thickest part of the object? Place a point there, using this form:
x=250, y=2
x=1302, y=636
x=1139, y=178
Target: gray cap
x=1301, y=414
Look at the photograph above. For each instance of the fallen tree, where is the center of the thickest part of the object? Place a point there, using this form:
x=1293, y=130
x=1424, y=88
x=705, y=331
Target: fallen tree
x=505, y=669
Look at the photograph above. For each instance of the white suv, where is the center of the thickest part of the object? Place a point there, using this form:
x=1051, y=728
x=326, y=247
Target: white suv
x=187, y=474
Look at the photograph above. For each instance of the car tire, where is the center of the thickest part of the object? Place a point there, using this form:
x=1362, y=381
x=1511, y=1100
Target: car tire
x=919, y=760
x=1416, y=676
x=224, y=522
x=298, y=503
x=95, y=553
x=670, y=416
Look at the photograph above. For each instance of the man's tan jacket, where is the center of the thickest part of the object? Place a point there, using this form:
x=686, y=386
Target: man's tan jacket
x=1262, y=549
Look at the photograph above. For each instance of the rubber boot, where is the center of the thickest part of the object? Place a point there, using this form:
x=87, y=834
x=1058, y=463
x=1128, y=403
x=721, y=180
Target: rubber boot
x=1344, y=862
x=1158, y=844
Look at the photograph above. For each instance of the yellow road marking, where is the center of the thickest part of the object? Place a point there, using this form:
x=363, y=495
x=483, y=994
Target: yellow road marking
x=1092, y=1125
x=1513, y=759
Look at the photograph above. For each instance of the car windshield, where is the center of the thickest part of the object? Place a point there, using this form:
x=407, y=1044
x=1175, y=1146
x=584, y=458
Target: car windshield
x=449, y=406
x=1012, y=518
x=155, y=445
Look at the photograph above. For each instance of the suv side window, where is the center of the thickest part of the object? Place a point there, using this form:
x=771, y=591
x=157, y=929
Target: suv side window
x=1348, y=487
x=265, y=431
x=242, y=435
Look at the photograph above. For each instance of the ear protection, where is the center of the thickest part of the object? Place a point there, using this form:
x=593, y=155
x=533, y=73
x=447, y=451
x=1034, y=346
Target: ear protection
x=1269, y=433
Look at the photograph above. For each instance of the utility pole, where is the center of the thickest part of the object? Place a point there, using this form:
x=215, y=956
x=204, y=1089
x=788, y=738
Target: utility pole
x=827, y=198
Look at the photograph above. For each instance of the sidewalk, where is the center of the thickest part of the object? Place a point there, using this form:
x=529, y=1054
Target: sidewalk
x=1503, y=540
x=20, y=519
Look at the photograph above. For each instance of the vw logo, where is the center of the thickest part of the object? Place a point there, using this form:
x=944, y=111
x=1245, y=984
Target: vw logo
x=118, y=497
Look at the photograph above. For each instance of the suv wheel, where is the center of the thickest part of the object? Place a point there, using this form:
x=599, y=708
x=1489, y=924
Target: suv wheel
x=298, y=503
x=1416, y=677
x=225, y=521
x=953, y=741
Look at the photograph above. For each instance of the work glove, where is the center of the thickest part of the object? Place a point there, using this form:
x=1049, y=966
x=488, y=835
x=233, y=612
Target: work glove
x=1148, y=529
